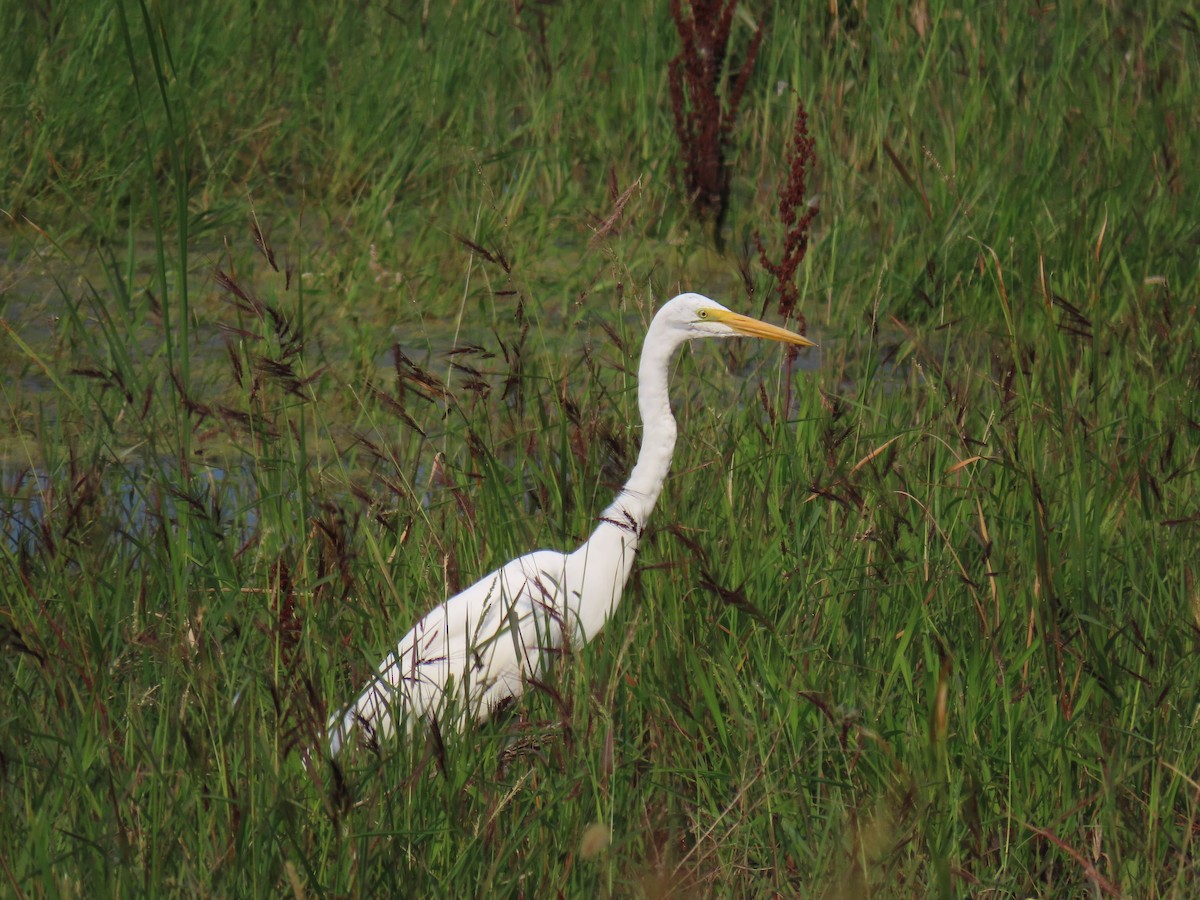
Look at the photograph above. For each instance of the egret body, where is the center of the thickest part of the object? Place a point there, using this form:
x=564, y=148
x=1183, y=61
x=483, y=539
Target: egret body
x=477, y=649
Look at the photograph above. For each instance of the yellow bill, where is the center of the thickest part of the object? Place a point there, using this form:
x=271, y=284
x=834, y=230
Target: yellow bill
x=754, y=328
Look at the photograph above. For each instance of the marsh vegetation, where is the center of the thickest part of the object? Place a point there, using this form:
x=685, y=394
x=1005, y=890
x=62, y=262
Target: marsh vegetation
x=312, y=316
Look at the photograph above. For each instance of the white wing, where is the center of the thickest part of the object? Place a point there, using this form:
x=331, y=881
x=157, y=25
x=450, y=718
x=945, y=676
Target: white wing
x=468, y=654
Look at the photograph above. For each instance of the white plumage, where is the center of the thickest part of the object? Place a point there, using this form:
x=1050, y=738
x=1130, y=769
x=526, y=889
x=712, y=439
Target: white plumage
x=477, y=649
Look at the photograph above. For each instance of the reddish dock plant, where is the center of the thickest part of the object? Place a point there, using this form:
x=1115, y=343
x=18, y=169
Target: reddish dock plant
x=796, y=213
x=703, y=120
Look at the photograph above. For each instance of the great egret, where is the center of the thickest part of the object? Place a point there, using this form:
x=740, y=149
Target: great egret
x=478, y=648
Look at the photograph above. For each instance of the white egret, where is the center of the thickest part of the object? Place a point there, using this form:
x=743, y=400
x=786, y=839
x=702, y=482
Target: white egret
x=478, y=648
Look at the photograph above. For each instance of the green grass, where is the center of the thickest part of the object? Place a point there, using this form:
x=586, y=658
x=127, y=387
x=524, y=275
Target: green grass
x=922, y=620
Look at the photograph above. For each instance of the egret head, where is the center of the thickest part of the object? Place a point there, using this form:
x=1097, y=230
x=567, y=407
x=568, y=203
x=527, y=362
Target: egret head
x=697, y=316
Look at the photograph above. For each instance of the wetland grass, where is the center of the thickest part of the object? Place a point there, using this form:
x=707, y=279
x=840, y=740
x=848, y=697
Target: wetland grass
x=309, y=320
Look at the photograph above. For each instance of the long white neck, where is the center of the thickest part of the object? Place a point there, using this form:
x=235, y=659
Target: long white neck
x=606, y=558
x=632, y=506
